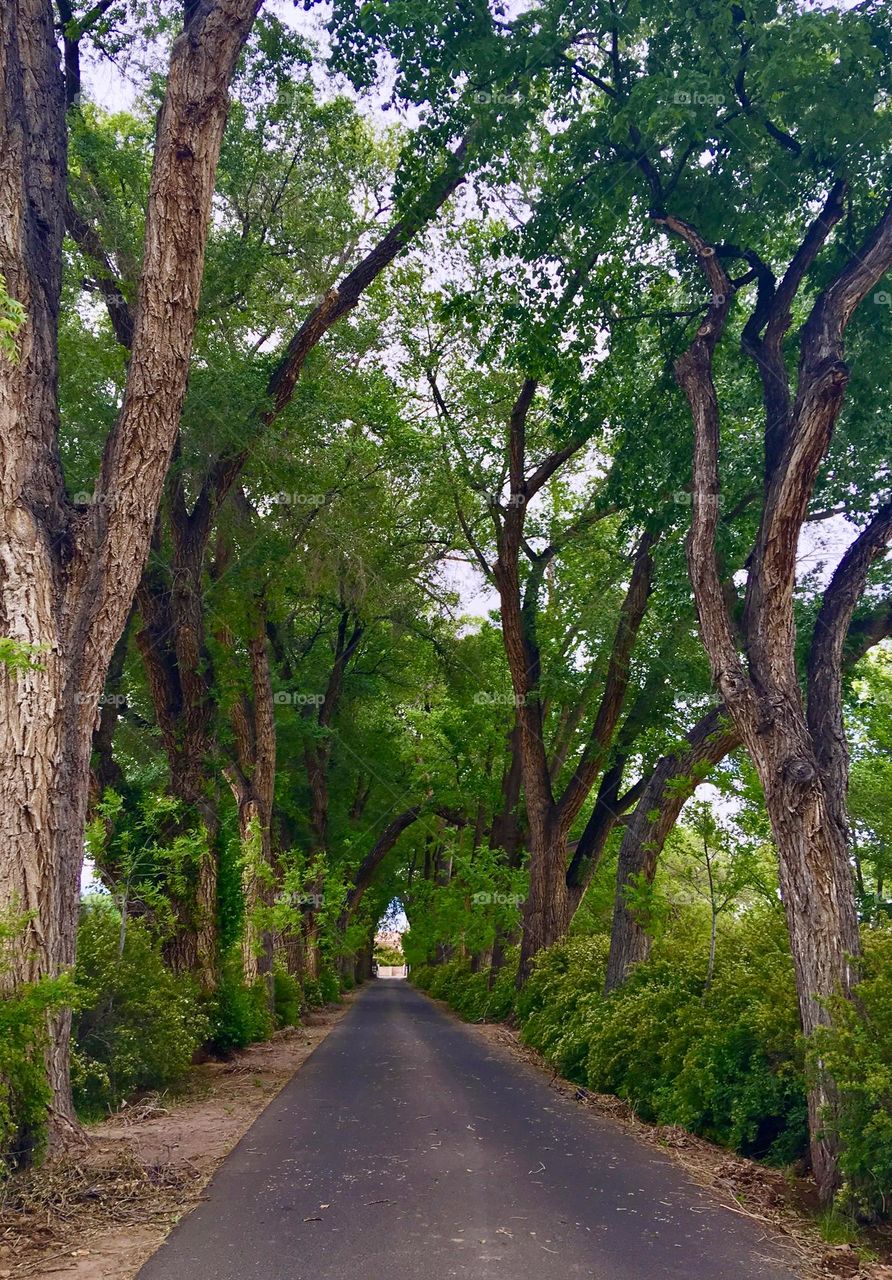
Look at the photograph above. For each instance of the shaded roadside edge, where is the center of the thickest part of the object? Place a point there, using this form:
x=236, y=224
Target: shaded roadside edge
x=772, y=1198
x=103, y=1212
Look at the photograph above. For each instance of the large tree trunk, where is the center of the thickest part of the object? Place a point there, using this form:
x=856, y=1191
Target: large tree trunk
x=817, y=889
x=174, y=652
x=257, y=948
x=547, y=911
x=44, y=725
x=252, y=776
x=506, y=835
x=639, y=852
x=67, y=575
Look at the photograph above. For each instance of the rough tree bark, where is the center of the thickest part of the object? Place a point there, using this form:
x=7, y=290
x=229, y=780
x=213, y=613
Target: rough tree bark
x=68, y=575
x=252, y=776
x=507, y=835
x=173, y=644
x=798, y=752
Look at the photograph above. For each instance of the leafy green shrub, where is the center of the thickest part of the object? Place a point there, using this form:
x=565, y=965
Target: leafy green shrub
x=329, y=986
x=287, y=999
x=724, y=1062
x=312, y=993
x=24, y=1090
x=857, y=1052
x=326, y=989
x=239, y=1015
x=136, y=1024
x=551, y=1007
x=469, y=993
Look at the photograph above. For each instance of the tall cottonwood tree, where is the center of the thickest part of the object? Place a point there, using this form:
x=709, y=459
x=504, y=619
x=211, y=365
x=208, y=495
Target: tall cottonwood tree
x=795, y=737
x=69, y=573
x=546, y=478
x=276, y=153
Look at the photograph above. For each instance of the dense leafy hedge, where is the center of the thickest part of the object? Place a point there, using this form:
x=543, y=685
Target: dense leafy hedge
x=469, y=993
x=725, y=1062
x=136, y=1024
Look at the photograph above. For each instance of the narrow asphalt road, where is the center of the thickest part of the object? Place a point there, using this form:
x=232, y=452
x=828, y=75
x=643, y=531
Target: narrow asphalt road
x=408, y=1149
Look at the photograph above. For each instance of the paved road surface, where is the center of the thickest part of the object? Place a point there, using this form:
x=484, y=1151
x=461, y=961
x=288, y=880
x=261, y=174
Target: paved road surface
x=407, y=1149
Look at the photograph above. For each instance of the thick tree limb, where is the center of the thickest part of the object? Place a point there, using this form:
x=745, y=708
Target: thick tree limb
x=616, y=683
x=107, y=282
x=695, y=375
x=823, y=375
x=773, y=314
x=365, y=872
x=139, y=448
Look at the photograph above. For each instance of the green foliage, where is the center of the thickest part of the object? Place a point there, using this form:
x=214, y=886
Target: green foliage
x=136, y=1024
x=551, y=1008
x=870, y=783
x=326, y=989
x=12, y=317
x=238, y=1015
x=15, y=655
x=287, y=998
x=24, y=1091
x=857, y=1052
x=152, y=847
x=389, y=955
x=470, y=993
x=724, y=1062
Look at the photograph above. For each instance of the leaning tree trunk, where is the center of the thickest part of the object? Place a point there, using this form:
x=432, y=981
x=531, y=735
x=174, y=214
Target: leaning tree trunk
x=671, y=784
x=68, y=575
x=817, y=890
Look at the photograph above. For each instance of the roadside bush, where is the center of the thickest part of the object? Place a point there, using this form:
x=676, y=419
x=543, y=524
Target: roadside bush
x=469, y=993
x=552, y=1007
x=326, y=989
x=724, y=1062
x=857, y=1051
x=238, y=1015
x=287, y=999
x=136, y=1024
x=24, y=1091
x=329, y=986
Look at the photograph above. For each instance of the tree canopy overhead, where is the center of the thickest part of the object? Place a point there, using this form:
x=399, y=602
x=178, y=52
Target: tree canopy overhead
x=437, y=441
